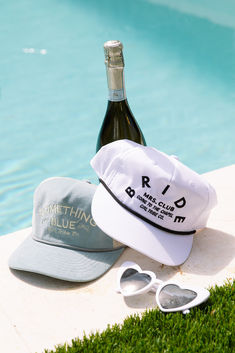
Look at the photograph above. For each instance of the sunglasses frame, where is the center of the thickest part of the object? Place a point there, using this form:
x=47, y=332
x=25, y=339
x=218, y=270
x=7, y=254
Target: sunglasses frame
x=202, y=295
x=132, y=265
x=157, y=285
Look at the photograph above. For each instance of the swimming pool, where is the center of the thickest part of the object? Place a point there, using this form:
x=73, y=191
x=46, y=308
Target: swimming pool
x=180, y=81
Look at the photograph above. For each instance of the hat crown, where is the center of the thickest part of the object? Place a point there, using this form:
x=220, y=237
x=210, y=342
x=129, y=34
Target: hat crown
x=155, y=186
x=62, y=215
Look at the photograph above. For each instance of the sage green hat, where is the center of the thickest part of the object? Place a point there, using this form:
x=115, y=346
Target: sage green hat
x=65, y=242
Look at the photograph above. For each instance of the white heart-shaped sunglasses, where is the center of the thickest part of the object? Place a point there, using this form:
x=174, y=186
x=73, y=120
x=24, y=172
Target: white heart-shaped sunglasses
x=170, y=296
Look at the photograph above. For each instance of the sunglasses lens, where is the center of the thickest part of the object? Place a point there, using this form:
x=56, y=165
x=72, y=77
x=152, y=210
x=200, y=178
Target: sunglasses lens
x=132, y=281
x=171, y=296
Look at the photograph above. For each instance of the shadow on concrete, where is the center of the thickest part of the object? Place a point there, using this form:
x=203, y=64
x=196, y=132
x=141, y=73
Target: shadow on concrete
x=213, y=250
x=46, y=282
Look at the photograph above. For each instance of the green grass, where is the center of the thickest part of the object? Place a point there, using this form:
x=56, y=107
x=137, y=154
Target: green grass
x=208, y=328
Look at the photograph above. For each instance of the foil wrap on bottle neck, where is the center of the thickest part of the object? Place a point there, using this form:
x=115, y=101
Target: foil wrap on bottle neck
x=115, y=70
x=113, y=53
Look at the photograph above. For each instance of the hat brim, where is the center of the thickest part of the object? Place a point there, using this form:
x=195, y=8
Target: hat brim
x=120, y=224
x=62, y=263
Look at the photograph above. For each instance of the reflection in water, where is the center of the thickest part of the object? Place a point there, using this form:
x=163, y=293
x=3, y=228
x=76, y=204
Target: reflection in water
x=33, y=51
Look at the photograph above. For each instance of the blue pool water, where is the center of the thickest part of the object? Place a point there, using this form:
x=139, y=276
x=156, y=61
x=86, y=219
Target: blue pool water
x=180, y=81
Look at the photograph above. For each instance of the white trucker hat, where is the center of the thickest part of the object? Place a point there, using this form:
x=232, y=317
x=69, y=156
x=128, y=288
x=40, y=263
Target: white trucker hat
x=149, y=200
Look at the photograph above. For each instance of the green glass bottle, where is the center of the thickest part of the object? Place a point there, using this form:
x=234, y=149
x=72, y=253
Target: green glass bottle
x=119, y=122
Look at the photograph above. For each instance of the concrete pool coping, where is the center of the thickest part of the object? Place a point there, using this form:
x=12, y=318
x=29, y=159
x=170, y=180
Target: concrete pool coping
x=39, y=312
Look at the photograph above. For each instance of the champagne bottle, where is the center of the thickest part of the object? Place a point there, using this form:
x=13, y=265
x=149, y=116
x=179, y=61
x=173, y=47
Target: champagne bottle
x=119, y=122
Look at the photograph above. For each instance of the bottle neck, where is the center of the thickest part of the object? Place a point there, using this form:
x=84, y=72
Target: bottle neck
x=116, y=83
